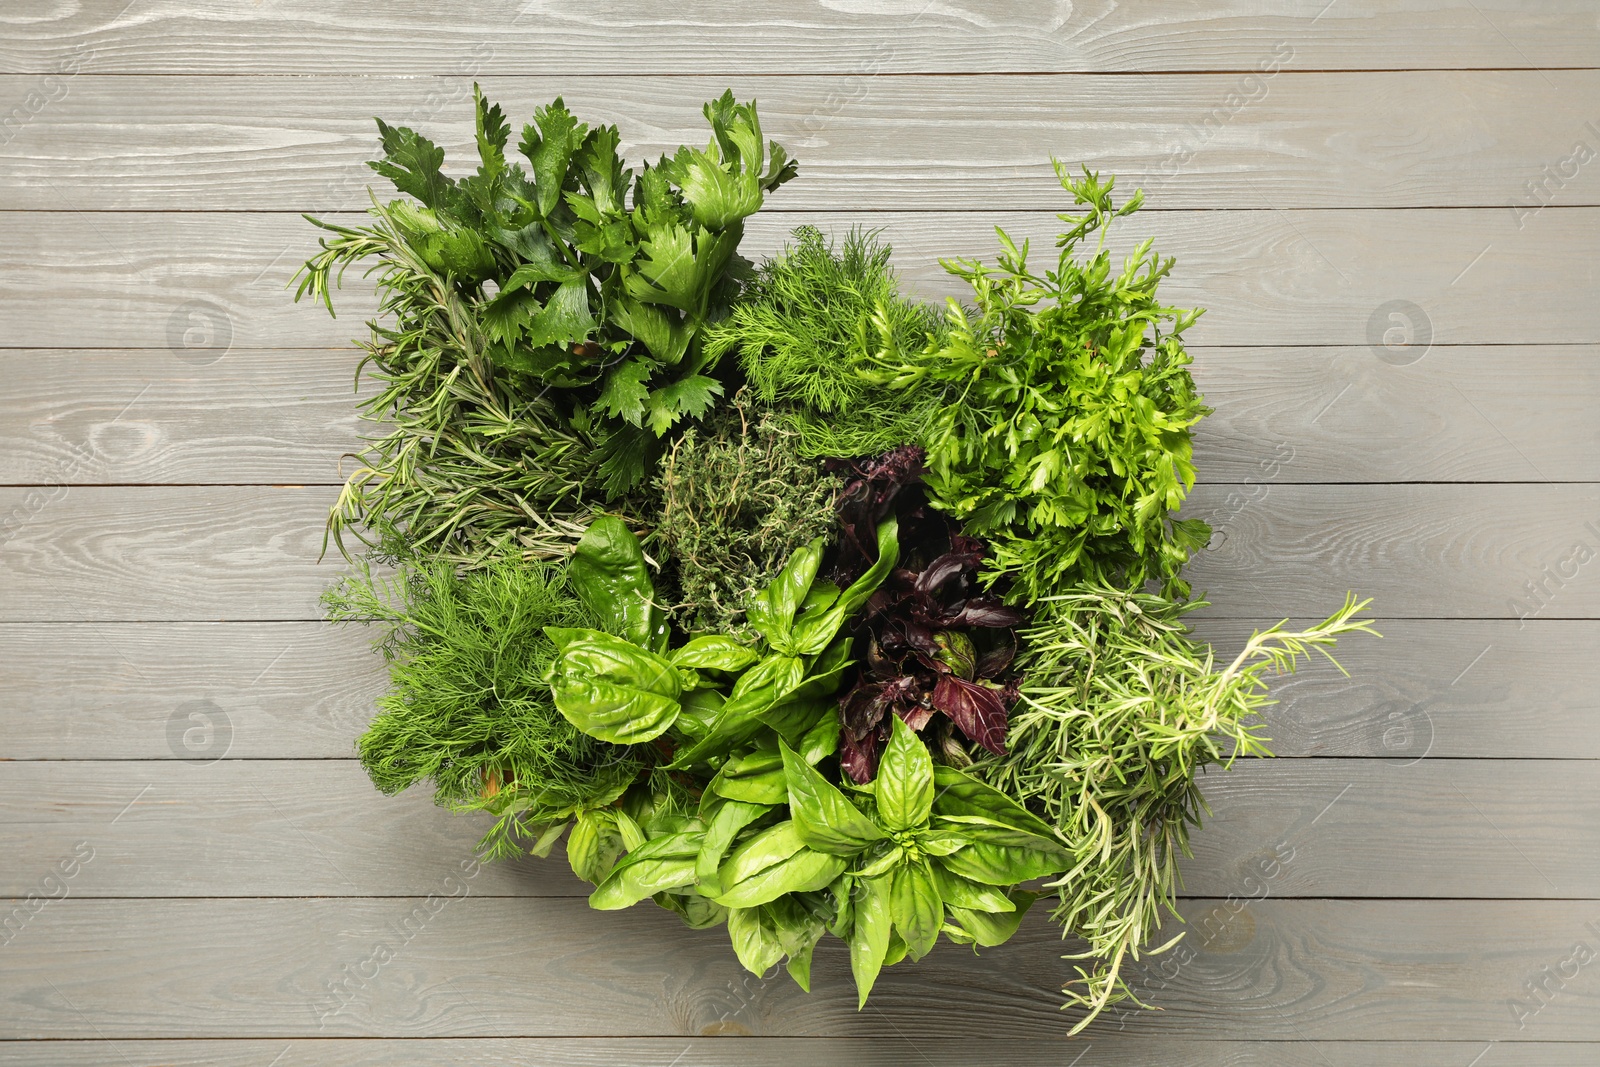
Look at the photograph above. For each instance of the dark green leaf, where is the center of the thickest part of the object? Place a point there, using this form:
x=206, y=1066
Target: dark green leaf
x=412, y=163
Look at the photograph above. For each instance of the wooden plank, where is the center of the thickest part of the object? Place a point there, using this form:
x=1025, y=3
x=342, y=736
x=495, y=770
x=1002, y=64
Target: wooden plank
x=285, y=690
x=246, y=553
x=1468, y=413
x=140, y=417
x=1286, y=138
x=92, y=554
x=498, y=967
x=1105, y=1049
x=112, y=416
x=1449, y=828
x=847, y=38
x=189, y=281
x=1439, y=687
x=1420, y=551
x=1442, y=688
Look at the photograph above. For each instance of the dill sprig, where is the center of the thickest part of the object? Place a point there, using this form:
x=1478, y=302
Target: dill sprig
x=469, y=706
x=803, y=330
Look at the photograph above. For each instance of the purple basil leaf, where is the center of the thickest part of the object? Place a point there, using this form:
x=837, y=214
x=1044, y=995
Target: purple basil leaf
x=858, y=759
x=978, y=711
x=984, y=611
x=917, y=716
x=996, y=660
x=946, y=567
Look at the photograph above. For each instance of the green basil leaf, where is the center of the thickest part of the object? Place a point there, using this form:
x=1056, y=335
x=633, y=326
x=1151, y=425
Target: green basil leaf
x=959, y=892
x=636, y=878
x=799, y=965
x=960, y=794
x=757, y=778
x=813, y=633
x=823, y=816
x=755, y=941
x=916, y=907
x=771, y=611
x=798, y=931
x=725, y=825
x=940, y=841
x=897, y=949
x=885, y=862
x=989, y=929
x=633, y=837
x=545, y=838
x=697, y=912
x=593, y=847
x=792, y=718
x=869, y=935
x=804, y=871
x=716, y=652
x=700, y=709
x=609, y=574
x=612, y=689
x=757, y=690
x=772, y=845
x=976, y=828
x=1003, y=865
x=821, y=741
x=905, y=779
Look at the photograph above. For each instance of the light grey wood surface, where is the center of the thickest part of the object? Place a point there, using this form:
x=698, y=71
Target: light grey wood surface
x=171, y=428
x=1099, y=1051
x=474, y=965
x=841, y=36
x=919, y=143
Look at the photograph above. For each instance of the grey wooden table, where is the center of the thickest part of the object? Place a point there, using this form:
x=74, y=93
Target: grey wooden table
x=1391, y=209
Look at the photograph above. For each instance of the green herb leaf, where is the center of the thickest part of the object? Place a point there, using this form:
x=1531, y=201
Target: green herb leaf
x=916, y=907
x=612, y=689
x=823, y=816
x=905, y=780
x=869, y=936
x=610, y=575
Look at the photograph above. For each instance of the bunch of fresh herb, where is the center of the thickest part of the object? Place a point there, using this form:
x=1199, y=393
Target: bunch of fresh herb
x=803, y=329
x=776, y=848
x=534, y=323
x=1120, y=712
x=935, y=650
x=470, y=708
x=736, y=499
x=1063, y=432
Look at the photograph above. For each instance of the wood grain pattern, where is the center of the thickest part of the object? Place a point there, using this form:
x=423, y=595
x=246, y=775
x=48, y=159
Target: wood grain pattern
x=1341, y=828
x=1314, y=139
x=1102, y=1049
x=170, y=427
x=499, y=967
x=289, y=690
x=247, y=553
x=1442, y=688
x=106, y=416
x=270, y=416
x=841, y=36
x=1269, y=277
